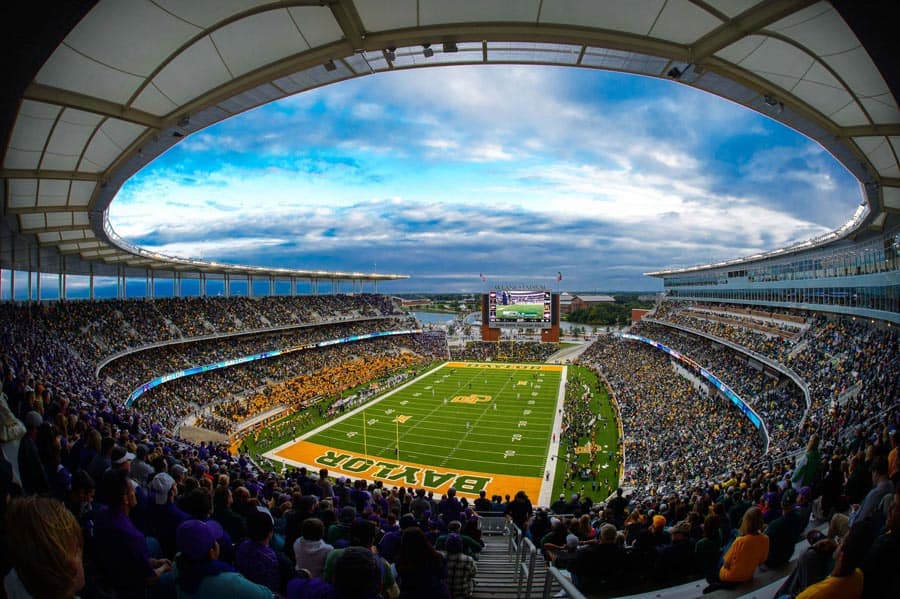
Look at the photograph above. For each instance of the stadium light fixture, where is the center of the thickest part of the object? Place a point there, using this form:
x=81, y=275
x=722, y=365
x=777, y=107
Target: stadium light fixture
x=330, y=66
x=450, y=47
x=773, y=102
x=391, y=53
x=427, y=51
x=674, y=73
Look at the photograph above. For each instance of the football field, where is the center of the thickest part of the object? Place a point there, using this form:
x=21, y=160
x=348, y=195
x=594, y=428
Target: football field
x=469, y=425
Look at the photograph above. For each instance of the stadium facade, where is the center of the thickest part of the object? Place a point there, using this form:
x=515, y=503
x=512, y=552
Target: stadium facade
x=99, y=89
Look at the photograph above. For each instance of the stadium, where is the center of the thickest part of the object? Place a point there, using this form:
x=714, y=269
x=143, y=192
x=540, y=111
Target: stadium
x=271, y=431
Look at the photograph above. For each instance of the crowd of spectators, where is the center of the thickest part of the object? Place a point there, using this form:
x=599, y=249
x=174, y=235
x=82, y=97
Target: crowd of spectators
x=239, y=392
x=493, y=351
x=139, y=513
x=743, y=332
x=338, y=374
x=196, y=520
x=98, y=329
x=775, y=397
x=674, y=433
x=849, y=364
x=128, y=372
x=213, y=524
x=850, y=434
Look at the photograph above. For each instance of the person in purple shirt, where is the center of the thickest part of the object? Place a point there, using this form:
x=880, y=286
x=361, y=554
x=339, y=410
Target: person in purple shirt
x=163, y=516
x=357, y=575
x=450, y=508
x=254, y=558
x=121, y=552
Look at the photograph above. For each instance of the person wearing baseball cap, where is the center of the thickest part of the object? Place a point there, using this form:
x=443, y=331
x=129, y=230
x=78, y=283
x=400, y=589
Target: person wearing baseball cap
x=162, y=515
x=198, y=571
x=784, y=531
x=461, y=569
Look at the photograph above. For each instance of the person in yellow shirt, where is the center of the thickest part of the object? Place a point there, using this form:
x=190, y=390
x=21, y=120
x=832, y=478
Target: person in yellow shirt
x=746, y=553
x=846, y=580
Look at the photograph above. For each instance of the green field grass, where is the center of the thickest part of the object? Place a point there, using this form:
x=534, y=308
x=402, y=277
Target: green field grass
x=607, y=436
x=520, y=311
x=500, y=421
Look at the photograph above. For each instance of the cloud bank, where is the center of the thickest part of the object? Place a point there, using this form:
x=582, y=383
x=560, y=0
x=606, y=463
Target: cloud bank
x=515, y=172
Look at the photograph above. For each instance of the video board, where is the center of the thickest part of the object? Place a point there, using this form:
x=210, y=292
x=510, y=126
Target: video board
x=519, y=307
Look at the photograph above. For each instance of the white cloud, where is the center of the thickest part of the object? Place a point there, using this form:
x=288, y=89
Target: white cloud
x=440, y=144
x=486, y=153
x=471, y=161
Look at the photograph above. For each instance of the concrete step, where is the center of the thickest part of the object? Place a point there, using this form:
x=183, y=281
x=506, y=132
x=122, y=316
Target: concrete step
x=497, y=572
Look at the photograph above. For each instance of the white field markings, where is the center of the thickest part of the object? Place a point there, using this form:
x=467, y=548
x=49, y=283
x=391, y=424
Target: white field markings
x=546, y=494
x=417, y=422
x=339, y=429
x=427, y=428
x=366, y=406
x=465, y=435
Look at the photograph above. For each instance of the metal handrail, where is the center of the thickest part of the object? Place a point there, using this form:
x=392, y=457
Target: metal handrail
x=513, y=533
x=492, y=524
x=525, y=568
x=567, y=585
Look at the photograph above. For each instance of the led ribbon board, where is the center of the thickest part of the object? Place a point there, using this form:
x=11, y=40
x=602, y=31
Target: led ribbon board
x=749, y=412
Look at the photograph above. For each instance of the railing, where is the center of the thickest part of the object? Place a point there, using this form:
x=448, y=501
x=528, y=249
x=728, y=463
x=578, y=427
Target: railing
x=492, y=525
x=512, y=546
x=525, y=568
x=565, y=582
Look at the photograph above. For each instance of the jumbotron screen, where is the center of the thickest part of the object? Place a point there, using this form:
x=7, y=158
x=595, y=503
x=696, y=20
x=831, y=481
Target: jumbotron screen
x=519, y=307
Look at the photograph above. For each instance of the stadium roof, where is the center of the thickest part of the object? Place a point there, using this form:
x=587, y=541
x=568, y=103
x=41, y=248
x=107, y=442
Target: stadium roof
x=98, y=89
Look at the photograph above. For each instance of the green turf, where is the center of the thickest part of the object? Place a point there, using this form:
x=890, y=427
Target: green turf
x=512, y=439
x=607, y=434
x=520, y=311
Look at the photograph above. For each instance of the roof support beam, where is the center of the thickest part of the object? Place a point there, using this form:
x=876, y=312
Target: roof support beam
x=349, y=21
x=86, y=229
x=750, y=21
x=871, y=130
x=70, y=99
x=22, y=173
x=44, y=209
x=68, y=252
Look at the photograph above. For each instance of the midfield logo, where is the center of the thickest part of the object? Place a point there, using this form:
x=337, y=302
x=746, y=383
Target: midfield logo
x=472, y=399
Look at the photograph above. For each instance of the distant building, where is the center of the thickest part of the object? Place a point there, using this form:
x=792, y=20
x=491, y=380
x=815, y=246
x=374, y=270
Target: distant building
x=637, y=314
x=411, y=303
x=586, y=301
x=565, y=302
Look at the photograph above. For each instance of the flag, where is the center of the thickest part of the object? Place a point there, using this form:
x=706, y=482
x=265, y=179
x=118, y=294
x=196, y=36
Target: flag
x=483, y=278
x=558, y=277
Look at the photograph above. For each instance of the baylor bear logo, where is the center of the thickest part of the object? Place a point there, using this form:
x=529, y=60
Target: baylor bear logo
x=473, y=399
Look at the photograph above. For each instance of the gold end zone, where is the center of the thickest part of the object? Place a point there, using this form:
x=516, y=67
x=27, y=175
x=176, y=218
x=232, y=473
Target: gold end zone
x=404, y=474
x=498, y=366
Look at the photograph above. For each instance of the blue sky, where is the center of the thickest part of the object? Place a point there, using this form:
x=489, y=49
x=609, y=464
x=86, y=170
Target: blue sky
x=514, y=172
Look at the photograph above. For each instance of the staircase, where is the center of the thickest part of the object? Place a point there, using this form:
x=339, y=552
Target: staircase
x=508, y=569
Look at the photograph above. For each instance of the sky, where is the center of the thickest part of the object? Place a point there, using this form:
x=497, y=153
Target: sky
x=515, y=172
